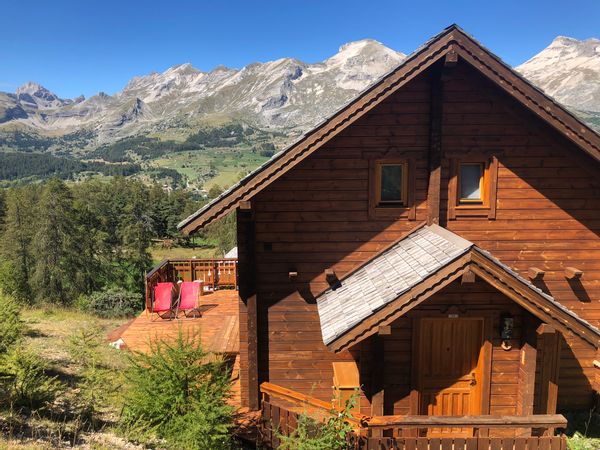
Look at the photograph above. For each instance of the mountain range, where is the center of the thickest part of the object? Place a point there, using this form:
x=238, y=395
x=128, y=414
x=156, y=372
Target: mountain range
x=286, y=95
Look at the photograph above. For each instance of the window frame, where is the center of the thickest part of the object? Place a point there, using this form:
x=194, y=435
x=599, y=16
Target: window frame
x=403, y=203
x=484, y=207
x=392, y=210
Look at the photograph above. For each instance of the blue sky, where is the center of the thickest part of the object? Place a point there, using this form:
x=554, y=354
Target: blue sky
x=84, y=46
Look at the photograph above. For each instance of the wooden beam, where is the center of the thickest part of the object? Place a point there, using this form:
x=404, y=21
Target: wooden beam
x=572, y=272
x=245, y=205
x=545, y=328
x=535, y=273
x=451, y=59
x=377, y=377
x=596, y=364
x=385, y=330
x=435, y=148
x=467, y=277
x=331, y=278
x=527, y=371
x=549, y=344
x=533, y=421
x=247, y=289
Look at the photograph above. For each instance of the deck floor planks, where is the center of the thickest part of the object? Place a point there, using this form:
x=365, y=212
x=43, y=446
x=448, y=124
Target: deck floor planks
x=218, y=326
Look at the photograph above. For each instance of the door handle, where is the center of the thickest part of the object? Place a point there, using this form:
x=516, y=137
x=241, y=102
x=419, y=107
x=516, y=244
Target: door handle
x=473, y=381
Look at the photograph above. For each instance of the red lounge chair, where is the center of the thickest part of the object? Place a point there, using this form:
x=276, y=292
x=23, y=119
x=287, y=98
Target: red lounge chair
x=162, y=303
x=189, y=291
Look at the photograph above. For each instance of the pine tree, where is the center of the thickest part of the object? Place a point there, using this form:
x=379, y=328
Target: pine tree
x=2, y=210
x=94, y=250
x=135, y=231
x=15, y=246
x=56, y=245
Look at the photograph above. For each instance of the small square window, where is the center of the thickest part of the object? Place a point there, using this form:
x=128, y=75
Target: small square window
x=470, y=179
x=392, y=184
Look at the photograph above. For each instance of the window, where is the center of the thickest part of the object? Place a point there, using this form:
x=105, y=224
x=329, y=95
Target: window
x=472, y=187
x=391, y=184
x=391, y=189
x=470, y=182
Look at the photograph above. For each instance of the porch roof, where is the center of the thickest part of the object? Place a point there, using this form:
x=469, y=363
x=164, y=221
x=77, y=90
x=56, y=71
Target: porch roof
x=413, y=269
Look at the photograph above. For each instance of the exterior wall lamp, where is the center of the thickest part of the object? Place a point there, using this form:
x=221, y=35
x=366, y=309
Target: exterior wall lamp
x=507, y=323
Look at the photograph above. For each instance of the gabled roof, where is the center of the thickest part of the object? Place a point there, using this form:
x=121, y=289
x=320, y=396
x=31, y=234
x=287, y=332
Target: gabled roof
x=410, y=271
x=452, y=39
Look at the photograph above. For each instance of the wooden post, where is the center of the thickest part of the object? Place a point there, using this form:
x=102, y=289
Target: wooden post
x=435, y=148
x=247, y=286
x=377, y=379
x=527, y=368
x=549, y=340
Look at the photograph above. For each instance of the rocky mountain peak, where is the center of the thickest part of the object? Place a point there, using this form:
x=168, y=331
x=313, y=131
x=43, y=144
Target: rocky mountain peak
x=286, y=94
x=37, y=96
x=569, y=70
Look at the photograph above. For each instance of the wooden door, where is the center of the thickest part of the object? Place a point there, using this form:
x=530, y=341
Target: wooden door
x=449, y=370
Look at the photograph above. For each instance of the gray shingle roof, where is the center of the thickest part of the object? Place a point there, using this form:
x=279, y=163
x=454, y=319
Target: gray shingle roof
x=386, y=277
x=397, y=270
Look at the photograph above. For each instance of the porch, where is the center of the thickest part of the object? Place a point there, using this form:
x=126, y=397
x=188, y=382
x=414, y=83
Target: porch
x=280, y=408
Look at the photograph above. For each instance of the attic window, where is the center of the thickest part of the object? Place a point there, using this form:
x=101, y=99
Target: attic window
x=391, y=188
x=391, y=184
x=472, y=186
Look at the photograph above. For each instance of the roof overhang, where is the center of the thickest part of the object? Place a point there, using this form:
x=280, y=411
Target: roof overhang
x=452, y=39
x=350, y=331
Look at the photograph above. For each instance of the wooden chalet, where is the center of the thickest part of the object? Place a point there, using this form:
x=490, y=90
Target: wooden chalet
x=434, y=245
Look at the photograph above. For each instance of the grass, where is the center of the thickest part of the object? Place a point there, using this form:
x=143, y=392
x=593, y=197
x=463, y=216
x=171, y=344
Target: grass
x=229, y=165
x=48, y=332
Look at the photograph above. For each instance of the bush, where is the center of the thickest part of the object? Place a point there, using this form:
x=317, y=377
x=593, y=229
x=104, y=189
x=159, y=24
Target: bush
x=580, y=442
x=24, y=381
x=11, y=326
x=112, y=303
x=333, y=434
x=178, y=393
x=583, y=430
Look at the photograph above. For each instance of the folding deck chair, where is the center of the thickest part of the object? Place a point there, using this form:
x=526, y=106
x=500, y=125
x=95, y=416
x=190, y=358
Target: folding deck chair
x=162, y=300
x=189, y=292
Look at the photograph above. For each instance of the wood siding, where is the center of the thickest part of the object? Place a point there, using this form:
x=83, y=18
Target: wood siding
x=316, y=217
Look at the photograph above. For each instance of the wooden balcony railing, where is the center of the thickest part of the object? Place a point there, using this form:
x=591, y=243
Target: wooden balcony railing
x=214, y=273
x=302, y=403
x=281, y=408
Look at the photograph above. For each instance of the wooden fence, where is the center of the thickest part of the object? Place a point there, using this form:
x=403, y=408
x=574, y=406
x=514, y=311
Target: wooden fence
x=214, y=273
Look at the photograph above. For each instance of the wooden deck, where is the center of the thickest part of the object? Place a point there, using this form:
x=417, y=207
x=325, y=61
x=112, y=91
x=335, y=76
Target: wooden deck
x=218, y=327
